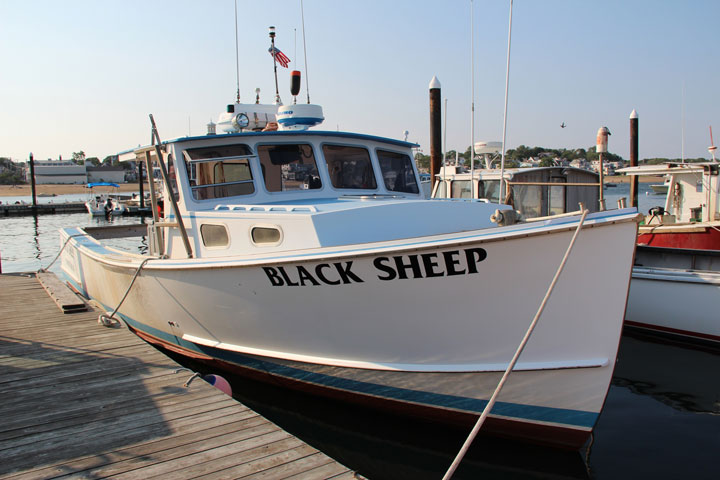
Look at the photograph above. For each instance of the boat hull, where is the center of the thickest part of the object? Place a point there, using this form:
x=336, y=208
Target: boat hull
x=422, y=325
x=696, y=236
x=677, y=302
x=547, y=427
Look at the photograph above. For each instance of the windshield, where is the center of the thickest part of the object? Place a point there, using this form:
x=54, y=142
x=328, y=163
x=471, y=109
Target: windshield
x=397, y=171
x=349, y=167
x=288, y=167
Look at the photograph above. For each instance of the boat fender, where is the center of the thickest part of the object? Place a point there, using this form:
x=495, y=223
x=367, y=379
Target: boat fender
x=505, y=217
x=215, y=380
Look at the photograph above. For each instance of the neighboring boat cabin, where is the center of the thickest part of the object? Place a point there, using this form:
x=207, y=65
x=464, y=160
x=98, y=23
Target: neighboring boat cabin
x=531, y=190
x=692, y=190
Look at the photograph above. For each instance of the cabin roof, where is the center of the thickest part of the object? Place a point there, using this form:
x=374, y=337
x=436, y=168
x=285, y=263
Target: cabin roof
x=300, y=134
x=667, y=168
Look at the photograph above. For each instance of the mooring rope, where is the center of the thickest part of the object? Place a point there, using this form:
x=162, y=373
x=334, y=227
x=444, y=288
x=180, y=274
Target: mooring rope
x=514, y=360
x=108, y=320
x=43, y=270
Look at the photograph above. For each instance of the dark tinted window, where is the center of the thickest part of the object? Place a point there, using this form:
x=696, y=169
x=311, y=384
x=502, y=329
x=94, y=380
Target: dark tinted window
x=349, y=167
x=397, y=171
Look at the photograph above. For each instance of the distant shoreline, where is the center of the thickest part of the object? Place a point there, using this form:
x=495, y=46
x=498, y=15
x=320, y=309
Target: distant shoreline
x=45, y=189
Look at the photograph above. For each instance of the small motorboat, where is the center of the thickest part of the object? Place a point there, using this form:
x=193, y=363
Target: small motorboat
x=102, y=203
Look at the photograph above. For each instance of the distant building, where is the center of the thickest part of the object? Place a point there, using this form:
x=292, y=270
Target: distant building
x=105, y=174
x=58, y=171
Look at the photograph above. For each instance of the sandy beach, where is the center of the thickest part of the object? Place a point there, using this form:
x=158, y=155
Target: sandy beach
x=25, y=190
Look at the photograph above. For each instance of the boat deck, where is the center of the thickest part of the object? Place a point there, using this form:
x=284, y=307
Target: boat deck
x=79, y=399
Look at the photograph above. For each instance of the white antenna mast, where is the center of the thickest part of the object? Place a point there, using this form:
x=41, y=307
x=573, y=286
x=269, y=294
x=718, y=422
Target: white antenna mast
x=444, y=175
x=307, y=81
x=682, y=126
x=237, y=55
x=507, y=81
x=472, y=103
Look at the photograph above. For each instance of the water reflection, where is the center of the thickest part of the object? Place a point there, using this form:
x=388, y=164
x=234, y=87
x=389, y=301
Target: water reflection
x=382, y=446
x=29, y=243
x=684, y=376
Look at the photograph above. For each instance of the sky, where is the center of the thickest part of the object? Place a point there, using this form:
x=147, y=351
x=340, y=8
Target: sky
x=83, y=75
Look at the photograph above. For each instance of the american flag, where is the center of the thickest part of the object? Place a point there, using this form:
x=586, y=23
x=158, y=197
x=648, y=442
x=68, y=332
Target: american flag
x=281, y=58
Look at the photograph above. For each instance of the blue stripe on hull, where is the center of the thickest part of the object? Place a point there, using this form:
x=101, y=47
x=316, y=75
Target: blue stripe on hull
x=567, y=417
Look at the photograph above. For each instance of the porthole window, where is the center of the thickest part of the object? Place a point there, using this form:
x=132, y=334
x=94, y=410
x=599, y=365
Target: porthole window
x=265, y=235
x=214, y=235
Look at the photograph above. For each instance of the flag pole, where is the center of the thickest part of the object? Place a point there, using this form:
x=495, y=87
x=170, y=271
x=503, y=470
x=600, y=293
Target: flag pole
x=271, y=31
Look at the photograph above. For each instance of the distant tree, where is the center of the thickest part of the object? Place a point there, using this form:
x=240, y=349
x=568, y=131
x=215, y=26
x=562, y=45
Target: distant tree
x=422, y=161
x=78, y=157
x=10, y=172
x=94, y=161
x=111, y=160
x=547, y=162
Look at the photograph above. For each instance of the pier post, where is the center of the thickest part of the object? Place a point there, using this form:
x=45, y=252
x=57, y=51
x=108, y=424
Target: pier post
x=435, y=130
x=32, y=182
x=634, y=158
x=141, y=184
x=600, y=148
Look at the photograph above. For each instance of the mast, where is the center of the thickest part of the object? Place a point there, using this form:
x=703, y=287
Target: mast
x=472, y=102
x=507, y=82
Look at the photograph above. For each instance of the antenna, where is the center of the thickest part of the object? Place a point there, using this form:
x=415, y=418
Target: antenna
x=712, y=146
x=237, y=55
x=307, y=80
x=472, y=104
x=507, y=81
x=682, y=124
x=444, y=153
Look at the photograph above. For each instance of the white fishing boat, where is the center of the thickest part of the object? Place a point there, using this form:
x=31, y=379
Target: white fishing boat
x=676, y=280
x=310, y=259
x=103, y=203
x=343, y=280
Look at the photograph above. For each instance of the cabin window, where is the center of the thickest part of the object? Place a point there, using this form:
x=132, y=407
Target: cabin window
x=214, y=235
x=218, y=172
x=556, y=197
x=461, y=189
x=489, y=189
x=528, y=200
x=349, y=167
x=441, y=189
x=397, y=171
x=265, y=235
x=289, y=167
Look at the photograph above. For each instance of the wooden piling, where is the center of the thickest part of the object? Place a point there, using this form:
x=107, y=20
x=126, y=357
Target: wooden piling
x=634, y=158
x=435, y=130
x=32, y=181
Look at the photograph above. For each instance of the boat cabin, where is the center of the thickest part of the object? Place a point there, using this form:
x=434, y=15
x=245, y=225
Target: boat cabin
x=692, y=191
x=532, y=191
x=242, y=191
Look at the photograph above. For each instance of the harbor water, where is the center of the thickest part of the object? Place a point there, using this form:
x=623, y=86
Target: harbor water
x=661, y=418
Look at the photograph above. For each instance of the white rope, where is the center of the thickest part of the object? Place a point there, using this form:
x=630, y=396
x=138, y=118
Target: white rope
x=108, y=320
x=514, y=360
x=43, y=270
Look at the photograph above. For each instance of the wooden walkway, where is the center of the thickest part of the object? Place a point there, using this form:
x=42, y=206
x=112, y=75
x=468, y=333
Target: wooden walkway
x=79, y=400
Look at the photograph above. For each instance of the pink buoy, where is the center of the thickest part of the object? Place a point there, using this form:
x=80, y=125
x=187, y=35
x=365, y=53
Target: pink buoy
x=219, y=382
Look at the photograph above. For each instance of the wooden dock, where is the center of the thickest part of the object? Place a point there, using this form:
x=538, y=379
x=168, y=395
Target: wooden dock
x=85, y=401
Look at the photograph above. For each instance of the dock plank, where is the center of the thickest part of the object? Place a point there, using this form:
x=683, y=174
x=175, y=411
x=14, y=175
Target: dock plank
x=83, y=401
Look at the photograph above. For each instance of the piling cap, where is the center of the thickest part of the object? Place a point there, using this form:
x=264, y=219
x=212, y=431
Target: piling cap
x=633, y=115
x=434, y=83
